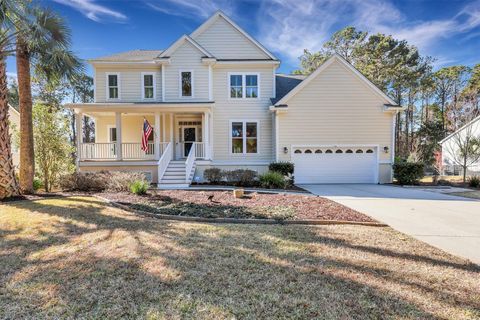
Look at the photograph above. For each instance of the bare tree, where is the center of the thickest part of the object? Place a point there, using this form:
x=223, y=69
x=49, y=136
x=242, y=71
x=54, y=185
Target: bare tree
x=463, y=147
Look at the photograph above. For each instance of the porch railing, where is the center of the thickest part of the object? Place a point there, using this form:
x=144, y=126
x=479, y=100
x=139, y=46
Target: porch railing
x=165, y=159
x=130, y=151
x=200, y=149
x=190, y=161
x=98, y=151
x=133, y=150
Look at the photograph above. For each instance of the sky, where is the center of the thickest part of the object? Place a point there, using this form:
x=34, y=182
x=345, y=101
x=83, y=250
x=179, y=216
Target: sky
x=448, y=30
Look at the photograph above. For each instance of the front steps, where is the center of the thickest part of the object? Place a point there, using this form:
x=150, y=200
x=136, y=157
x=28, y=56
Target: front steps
x=174, y=176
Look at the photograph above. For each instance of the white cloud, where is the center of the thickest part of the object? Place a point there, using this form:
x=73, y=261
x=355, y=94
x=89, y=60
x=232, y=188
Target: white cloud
x=198, y=9
x=289, y=26
x=93, y=11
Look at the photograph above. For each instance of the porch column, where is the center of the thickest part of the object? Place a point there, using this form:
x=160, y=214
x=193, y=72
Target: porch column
x=118, y=128
x=206, y=134
x=172, y=140
x=79, y=129
x=156, y=136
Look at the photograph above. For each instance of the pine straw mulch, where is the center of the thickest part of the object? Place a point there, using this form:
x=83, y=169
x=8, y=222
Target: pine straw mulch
x=222, y=204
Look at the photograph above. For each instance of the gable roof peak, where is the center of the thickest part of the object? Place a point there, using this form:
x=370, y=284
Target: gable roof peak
x=179, y=42
x=338, y=58
x=220, y=14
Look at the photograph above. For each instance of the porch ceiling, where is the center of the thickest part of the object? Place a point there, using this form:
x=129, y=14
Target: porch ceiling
x=167, y=107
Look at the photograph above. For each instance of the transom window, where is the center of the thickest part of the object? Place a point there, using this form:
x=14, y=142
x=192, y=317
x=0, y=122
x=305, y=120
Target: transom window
x=244, y=137
x=112, y=83
x=186, y=82
x=148, y=86
x=244, y=86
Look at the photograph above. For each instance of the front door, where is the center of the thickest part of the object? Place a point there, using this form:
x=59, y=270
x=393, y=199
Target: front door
x=189, y=137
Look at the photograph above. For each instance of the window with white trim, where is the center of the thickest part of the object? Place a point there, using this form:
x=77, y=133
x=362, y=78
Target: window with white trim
x=148, y=86
x=186, y=80
x=243, y=85
x=113, y=86
x=244, y=137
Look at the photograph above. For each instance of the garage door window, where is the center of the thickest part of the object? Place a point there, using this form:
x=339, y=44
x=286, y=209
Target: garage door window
x=244, y=137
x=328, y=151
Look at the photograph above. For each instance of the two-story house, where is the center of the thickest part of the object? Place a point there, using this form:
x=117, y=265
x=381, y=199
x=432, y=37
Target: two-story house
x=214, y=100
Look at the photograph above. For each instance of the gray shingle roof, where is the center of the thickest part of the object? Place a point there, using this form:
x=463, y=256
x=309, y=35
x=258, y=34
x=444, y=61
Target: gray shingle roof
x=133, y=55
x=285, y=83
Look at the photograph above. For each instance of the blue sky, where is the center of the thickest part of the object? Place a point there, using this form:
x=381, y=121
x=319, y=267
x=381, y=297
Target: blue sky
x=446, y=30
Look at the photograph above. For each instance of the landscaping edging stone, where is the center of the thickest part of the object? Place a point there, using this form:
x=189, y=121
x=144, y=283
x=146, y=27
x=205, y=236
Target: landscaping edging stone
x=237, y=220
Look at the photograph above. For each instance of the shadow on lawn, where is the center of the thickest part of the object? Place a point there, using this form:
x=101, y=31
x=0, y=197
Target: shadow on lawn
x=119, y=265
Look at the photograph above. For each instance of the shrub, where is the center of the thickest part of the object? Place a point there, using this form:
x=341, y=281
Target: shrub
x=84, y=181
x=241, y=177
x=474, y=181
x=37, y=184
x=285, y=168
x=272, y=180
x=408, y=172
x=139, y=187
x=213, y=175
x=121, y=181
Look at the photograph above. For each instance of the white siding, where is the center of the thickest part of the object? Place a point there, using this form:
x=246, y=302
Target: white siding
x=186, y=58
x=226, y=110
x=336, y=108
x=130, y=82
x=223, y=41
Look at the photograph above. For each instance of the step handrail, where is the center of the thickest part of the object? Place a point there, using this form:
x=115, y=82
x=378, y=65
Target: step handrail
x=164, y=161
x=190, y=161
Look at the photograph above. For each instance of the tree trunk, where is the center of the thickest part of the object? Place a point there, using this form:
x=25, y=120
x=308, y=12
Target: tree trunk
x=8, y=181
x=27, y=157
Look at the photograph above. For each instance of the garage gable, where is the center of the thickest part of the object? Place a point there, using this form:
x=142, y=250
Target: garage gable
x=334, y=66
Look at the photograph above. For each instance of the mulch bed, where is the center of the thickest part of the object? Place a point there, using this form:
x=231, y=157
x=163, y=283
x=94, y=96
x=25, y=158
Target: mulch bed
x=222, y=204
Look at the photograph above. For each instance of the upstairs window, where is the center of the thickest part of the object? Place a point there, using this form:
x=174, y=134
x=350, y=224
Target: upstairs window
x=244, y=137
x=186, y=83
x=113, y=88
x=244, y=86
x=148, y=86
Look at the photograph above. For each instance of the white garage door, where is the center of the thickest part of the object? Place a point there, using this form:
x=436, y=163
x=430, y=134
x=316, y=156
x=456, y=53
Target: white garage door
x=335, y=165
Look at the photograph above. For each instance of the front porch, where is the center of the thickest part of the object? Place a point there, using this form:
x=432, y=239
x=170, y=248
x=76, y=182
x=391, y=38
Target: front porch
x=118, y=136
x=177, y=141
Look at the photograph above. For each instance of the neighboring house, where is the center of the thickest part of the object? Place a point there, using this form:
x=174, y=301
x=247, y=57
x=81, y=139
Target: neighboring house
x=450, y=149
x=215, y=100
x=14, y=118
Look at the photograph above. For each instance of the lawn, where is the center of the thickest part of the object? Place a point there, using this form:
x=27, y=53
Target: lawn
x=77, y=258
x=222, y=204
x=474, y=194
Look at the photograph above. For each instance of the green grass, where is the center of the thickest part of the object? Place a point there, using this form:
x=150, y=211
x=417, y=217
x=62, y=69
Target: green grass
x=77, y=258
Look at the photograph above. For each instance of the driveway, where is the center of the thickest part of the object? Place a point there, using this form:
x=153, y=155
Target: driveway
x=447, y=222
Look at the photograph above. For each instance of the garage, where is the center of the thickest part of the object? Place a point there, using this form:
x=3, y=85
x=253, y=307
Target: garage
x=335, y=164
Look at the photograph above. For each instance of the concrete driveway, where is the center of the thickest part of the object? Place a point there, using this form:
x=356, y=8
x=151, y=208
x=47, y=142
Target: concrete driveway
x=444, y=221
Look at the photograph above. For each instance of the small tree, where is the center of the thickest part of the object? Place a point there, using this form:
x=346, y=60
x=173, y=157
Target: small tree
x=463, y=148
x=52, y=148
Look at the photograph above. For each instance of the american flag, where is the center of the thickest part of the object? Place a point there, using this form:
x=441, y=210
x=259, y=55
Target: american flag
x=147, y=131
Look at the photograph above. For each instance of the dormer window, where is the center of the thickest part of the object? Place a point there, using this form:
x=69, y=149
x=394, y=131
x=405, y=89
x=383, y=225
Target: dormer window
x=148, y=80
x=244, y=86
x=186, y=84
x=113, y=85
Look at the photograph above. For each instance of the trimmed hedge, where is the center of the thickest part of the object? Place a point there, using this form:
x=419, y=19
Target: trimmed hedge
x=407, y=173
x=213, y=175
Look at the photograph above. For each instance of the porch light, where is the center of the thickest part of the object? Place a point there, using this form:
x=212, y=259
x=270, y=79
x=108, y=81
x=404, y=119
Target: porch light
x=285, y=150
x=385, y=149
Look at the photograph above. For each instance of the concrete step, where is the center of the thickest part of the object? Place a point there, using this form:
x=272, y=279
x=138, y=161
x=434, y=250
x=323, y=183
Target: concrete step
x=172, y=181
x=173, y=186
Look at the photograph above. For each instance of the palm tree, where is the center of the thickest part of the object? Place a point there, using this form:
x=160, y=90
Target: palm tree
x=10, y=10
x=44, y=42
